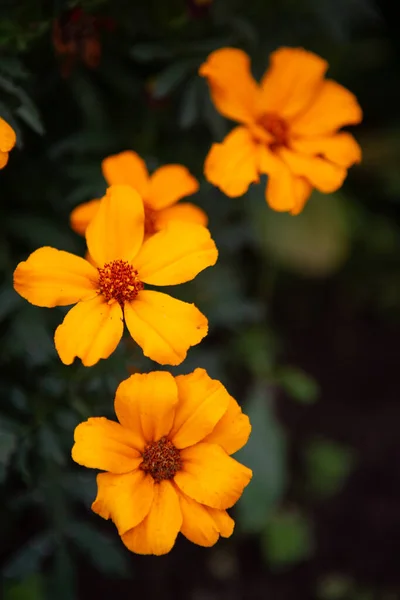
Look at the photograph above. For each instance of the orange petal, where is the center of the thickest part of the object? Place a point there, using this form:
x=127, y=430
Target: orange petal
x=322, y=174
x=176, y=254
x=126, y=168
x=333, y=107
x=81, y=216
x=232, y=430
x=223, y=521
x=3, y=159
x=164, y=327
x=168, y=184
x=197, y=526
x=7, y=136
x=341, y=149
x=184, y=212
x=126, y=499
x=53, y=277
x=284, y=191
x=202, y=402
x=116, y=231
x=158, y=532
x=292, y=81
x=145, y=404
x=91, y=330
x=211, y=477
x=104, y=444
x=232, y=86
x=233, y=165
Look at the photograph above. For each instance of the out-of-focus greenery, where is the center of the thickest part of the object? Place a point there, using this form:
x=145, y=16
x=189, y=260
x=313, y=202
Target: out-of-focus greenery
x=146, y=95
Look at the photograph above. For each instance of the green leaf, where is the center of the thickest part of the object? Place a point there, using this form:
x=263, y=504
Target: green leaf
x=169, y=79
x=298, y=384
x=8, y=442
x=328, y=465
x=28, y=559
x=264, y=453
x=190, y=104
x=287, y=539
x=106, y=553
x=31, y=588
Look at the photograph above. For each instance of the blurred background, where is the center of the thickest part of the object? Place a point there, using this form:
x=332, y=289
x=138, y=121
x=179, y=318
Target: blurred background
x=304, y=311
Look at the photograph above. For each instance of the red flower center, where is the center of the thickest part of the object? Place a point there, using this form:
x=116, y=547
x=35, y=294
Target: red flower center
x=161, y=459
x=119, y=281
x=277, y=127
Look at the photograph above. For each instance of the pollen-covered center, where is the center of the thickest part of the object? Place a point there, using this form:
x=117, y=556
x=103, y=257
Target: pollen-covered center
x=119, y=281
x=161, y=459
x=277, y=127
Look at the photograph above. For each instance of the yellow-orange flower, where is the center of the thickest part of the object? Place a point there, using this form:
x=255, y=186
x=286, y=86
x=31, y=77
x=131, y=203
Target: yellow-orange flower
x=167, y=461
x=7, y=141
x=289, y=126
x=160, y=193
x=112, y=289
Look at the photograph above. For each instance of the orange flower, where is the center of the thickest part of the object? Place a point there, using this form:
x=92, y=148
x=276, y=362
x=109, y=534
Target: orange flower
x=160, y=192
x=167, y=461
x=7, y=141
x=289, y=126
x=111, y=290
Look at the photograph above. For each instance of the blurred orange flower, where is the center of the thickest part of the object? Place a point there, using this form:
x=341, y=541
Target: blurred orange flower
x=7, y=141
x=112, y=289
x=167, y=461
x=160, y=192
x=289, y=126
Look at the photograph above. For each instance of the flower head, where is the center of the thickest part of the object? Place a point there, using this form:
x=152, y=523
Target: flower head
x=160, y=192
x=289, y=126
x=167, y=461
x=7, y=141
x=112, y=289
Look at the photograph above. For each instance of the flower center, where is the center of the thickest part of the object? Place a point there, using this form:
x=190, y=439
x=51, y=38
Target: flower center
x=119, y=281
x=161, y=459
x=149, y=221
x=277, y=127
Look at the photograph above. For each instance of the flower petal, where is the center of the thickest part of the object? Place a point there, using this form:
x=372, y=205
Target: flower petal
x=158, y=532
x=168, y=184
x=184, y=212
x=3, y=159
x=145, y=404
x=91, y=330
x=164, y=327
x=223, y=521
x=232, y=86
x=333, y=107
x=53, y=277
x=202, y=402
x=126, y=499
x=211, y=477
x=81, y=216
x=284, y=191
x=197, y=525
x=104, y=444
x=176, y=254
x=117, y=229
x=341, y=149
x=292, y=81
x=322, y=174
x=232, y=430
x=126, y=168
x=233, y=165
x=7, y=136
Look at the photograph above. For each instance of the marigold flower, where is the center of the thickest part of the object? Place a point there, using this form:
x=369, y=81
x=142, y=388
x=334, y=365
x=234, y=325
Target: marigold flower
x=160, y=192
x=167, y=461
x=289, y=126
x=113, y=287
x=7, y=141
